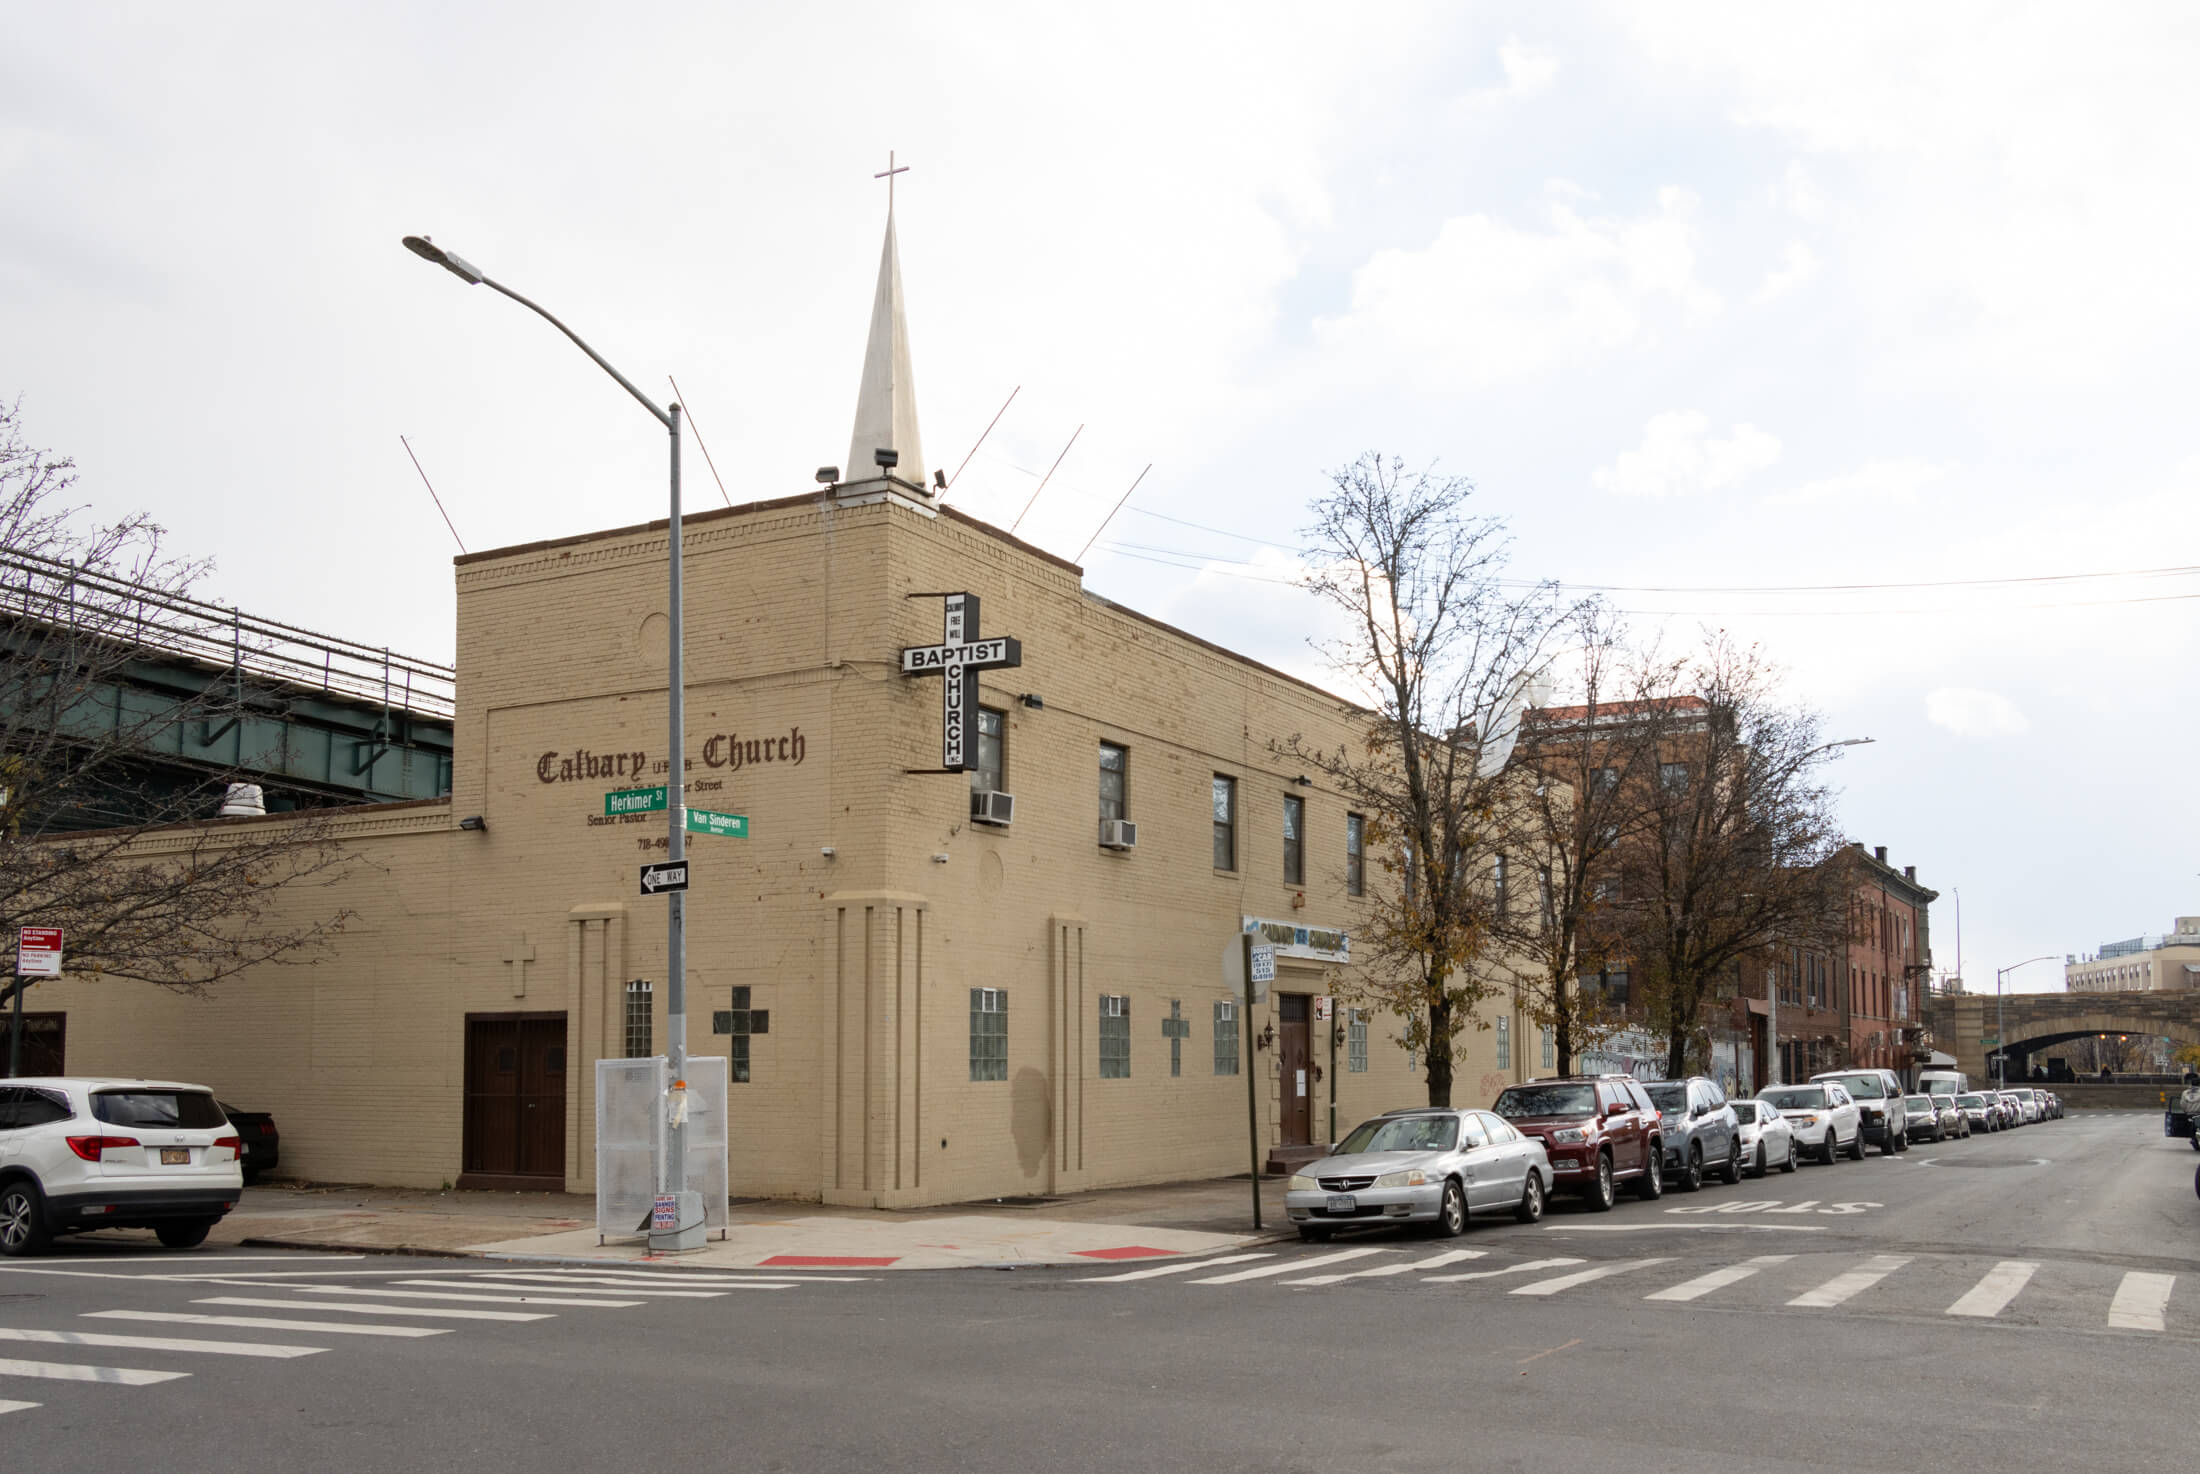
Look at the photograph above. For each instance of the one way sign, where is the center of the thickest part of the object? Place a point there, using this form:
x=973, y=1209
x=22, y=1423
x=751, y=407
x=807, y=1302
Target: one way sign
x=657, y=878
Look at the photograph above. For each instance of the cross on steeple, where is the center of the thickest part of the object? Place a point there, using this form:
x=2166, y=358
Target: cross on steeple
x=888, y=175
x=1176, y=1029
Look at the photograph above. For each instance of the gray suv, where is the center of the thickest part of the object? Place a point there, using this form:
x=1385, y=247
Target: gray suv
x=1700, y=1131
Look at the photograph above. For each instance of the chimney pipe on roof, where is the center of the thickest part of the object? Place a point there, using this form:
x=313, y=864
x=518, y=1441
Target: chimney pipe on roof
x=1880, y=854
x=1909, y=872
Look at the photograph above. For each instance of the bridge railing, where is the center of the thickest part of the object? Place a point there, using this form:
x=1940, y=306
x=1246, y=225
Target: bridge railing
x=107, y=607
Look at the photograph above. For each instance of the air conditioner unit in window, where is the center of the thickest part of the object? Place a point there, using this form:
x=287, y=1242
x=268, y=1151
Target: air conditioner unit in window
x=1118, y=834
x=992, y=808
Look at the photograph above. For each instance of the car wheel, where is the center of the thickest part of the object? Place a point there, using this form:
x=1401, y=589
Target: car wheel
x=1451, y=1218
x=1308, y=1234
x=1691, y=1179
x=187, y=1234
x=1888, y=1141
x=1601, y=1193
x=1651, y=1185
x=23, y=1228
x=1828, y=1147
x=2196, y=1141
x=1761, y=1166
x=1731, y=1173
x=1789, y=1164
x=1531, y=1201
x=1856, y=1147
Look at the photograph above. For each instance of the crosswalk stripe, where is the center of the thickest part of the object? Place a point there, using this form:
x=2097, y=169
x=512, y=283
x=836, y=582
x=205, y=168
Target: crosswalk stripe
x=448, y=1295
x=2140, y=1301
x=1582, y=1277
x=623, y=1289
x=1529, y=1266
x=158, y=1343
x=1993, y=1293
x=669, y=1277
x=1718, y=1279
x=1154, y=1274
x=437, y=1311
x=265, y=1323
x=1381, y=1270
x=63, y=1371
x=1289, y=1266
x=1847, y=1286
x=16, y=1407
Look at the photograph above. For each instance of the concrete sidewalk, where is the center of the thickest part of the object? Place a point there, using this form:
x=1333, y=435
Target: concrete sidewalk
x=1121, y=1223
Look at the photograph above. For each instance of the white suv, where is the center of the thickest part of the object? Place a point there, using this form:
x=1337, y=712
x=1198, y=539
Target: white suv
x=79, y=1154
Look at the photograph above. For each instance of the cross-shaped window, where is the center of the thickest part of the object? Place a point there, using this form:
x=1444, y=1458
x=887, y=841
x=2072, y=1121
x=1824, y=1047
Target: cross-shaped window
x=1176, y=1029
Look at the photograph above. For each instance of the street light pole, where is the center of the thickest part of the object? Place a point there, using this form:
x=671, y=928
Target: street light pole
x=672, y=1179
x=2001, y=1040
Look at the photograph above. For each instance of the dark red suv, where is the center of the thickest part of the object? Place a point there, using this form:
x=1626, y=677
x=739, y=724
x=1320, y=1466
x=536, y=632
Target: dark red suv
x=1599, y=1131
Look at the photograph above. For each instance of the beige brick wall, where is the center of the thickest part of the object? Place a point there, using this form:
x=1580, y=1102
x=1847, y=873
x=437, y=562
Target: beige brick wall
x=861, y=1090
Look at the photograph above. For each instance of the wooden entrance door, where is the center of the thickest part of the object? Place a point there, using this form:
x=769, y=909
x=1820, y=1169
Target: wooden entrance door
x=515, y=1101
x=1295, y=1057
x=45, y=1042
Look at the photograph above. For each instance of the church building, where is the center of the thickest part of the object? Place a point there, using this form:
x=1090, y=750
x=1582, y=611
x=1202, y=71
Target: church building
x=1001, y=835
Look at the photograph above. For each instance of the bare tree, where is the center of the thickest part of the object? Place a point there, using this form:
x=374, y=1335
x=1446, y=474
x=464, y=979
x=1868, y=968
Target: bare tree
x=1589, y=756
x=1735, y=852
x=105, y=831
x=1440, y=646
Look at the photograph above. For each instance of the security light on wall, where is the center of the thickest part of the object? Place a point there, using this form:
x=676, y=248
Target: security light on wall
x=886, y=458
x=474, y=822
x=827, y=475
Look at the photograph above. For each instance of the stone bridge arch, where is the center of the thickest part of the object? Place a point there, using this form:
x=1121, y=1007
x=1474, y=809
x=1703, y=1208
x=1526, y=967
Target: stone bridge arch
x=2032, y=1023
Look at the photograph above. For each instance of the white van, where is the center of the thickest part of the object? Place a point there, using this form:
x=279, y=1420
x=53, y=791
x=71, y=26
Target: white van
x=1940, y=1083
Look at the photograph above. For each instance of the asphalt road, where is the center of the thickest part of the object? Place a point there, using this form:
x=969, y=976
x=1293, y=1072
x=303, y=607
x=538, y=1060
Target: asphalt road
x=2024, y=1301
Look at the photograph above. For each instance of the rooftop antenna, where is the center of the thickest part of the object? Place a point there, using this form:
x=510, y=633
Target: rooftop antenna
x=697, y=432
x=1103, y=527
x=1043, y=480
x=424, y=481
x=988, y=431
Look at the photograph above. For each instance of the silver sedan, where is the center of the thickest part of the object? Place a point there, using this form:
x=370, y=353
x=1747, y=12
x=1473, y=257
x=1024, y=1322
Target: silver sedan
x=1436, y=1166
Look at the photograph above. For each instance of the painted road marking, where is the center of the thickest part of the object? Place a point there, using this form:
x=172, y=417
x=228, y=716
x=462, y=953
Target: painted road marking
x=2140, y=1301
x=16, y=1407
x=1154, y=1274
x=1749, y=1225
x=1379, y=1271
x=609, y=1276
x=624, y=1289
x=415, y=1311
x=1718, y=1279
x=159, y=1343
x=61, y=1371
x=446, y=1295
x=1289, y=1266
x=1992, y=1294
x=266, y=1323
x=1527, y=1267
x=1847, y=1286
x=1568, y=1281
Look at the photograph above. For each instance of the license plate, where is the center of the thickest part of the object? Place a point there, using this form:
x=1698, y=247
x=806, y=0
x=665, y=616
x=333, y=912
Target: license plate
x=1344, y=1203
x=175, y=1156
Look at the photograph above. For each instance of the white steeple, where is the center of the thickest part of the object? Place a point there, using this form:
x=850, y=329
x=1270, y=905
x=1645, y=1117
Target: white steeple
x=886, y=404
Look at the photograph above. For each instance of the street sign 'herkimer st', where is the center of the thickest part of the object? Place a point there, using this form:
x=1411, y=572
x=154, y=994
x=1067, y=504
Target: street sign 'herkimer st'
x=957, y=659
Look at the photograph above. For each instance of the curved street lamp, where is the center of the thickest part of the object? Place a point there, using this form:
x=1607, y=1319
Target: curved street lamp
x=674, y=1174
x=2001, y=1042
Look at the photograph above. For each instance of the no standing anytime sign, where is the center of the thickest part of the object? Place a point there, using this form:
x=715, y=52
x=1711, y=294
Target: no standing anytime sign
x=38, y=952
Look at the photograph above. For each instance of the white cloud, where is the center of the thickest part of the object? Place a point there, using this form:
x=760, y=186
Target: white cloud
x=1969, y=712
x=1488, y=302
x=1898, y=480
x=1799, y=195
x=1678, y=457
x=1528, y=69
x=1798, y=264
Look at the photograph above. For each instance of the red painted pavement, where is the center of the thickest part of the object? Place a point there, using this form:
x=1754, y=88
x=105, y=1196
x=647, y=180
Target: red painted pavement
x=829, y=1261
x=1130, y=1251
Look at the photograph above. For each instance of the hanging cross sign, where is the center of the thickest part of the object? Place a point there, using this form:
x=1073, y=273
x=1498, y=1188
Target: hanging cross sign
x=956, y=660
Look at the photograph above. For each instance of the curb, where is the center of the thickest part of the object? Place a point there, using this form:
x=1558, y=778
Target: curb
x=327, y=1247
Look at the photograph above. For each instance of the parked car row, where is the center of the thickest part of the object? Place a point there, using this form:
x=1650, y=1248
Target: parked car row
x=1594, y=1136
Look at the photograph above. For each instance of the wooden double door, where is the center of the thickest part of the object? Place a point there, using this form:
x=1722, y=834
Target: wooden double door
x=515, y=1102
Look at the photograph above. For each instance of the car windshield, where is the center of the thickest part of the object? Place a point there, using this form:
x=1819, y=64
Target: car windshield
x=1522, y=1101
x=1919, y=1104
x=188, y=1110
x=1402, y=1134
x=1796, y=1098
x=1863, y=1087
x=1671, y=1096
x=1972, y=1102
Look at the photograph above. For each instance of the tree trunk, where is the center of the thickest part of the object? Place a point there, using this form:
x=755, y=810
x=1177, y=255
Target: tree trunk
x=1440, y=1029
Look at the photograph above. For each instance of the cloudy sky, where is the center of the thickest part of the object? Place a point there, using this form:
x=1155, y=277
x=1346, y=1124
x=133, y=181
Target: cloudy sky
x=1862, y=332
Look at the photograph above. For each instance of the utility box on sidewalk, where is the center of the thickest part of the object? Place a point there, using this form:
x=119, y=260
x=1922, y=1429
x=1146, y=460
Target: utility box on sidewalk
x=630, y=1138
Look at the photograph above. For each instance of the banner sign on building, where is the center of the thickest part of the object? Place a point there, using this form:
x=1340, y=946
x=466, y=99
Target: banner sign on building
x=956, y=660
x=1310, y=943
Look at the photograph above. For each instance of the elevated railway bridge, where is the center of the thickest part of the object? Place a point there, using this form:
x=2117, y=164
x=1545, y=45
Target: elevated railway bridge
x=2031, y=1025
